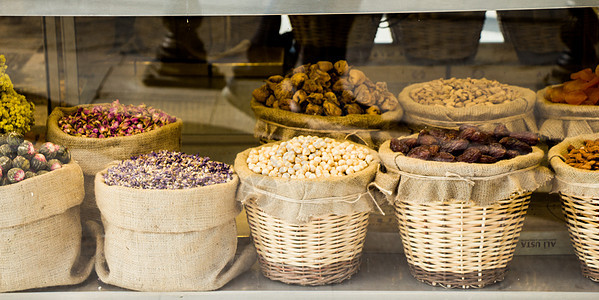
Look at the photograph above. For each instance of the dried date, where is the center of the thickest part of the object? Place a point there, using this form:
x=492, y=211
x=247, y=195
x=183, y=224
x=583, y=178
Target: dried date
x=398, y=145
x=527, y=137
x=470, y=155
x=427, y=139
x=454, y=145
x=421, y=152
x=444, y=157
x=515, y=144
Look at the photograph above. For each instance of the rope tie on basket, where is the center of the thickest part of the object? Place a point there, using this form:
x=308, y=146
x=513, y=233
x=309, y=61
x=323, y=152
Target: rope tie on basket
x=355, y=131
x=350, y=199
x=451, y=124
x=578, y=184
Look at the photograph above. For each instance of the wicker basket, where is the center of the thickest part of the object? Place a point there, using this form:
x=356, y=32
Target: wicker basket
x=335, y=37
x=432, y=38
x=581, y=217
x=535, y=34
x=324, y=251
x=460, y=245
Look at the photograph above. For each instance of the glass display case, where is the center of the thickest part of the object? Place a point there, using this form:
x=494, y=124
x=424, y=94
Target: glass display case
x=206, y=62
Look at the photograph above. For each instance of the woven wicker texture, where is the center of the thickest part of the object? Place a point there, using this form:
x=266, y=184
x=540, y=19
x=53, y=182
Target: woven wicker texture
x=535, y=34
x=326, y=250
x=428, y=38
x=460, y=245
x=354, y=33
x=582, y=215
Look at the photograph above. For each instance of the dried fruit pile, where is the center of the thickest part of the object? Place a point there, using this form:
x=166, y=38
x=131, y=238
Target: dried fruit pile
x=309, y=157
x=103, y=121
x=583, y=89
x=466, y=92
x=468, y=144
x=19, y=160
x=168, y=170
x=16, y=113
x=326, y=89
x=585, y=157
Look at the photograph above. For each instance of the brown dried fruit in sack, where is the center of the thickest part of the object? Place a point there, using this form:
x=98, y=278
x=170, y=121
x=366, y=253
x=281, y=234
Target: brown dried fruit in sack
x=331, y=97
x=356, y=77
x=444, y=157
x=402, y=145
x=298, y=79
x=270, y=101
x=373, y=110
x=320, y=77
x=454, y=145
x=363, y=96
x=300, y=96
x=410, y=142
x=515, y=144
x=342, y=85
x=511, y=153
x=501, y=131
x=421, y=152
x=427, y=139
x=480, y=137
x=347, y=97
x=284, y=89
x=325, y=66
x=341, y=67
x=390, y=102
x=310, y=86
x=470, y=155
x=530, y=138
x=496, y=150
x=275, y=104
x=332, y=109
x=316, y=98
x=381, y=86
x=272, y=81
x=467, y=132
x=290, y=105
x=486, y=159
x=313, y=109
x=302, y=69
x=353, y=109
x=261, y=93
x=484, y=149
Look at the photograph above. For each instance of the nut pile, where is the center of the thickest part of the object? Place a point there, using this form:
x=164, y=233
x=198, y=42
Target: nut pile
x=585, y=157
x=19, y=160
x=102, y=121
x=167, y=170
x=461, y=93
x=309, y=157
x=326, y=89
x=583, y=89
x=469, y=144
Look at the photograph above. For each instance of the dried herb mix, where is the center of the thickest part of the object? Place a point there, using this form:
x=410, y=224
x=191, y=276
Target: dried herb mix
x=167, y=170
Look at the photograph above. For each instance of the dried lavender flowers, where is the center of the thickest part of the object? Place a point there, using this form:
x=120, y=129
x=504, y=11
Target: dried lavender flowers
x=168, y=170
x=104, y=121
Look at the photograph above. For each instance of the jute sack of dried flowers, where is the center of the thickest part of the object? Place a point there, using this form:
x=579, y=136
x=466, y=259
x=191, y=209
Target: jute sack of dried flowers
x=94, y=154
x=40, y=231
x=278, y=125
x=517, y=115
x=558, y=121
x=169, y=240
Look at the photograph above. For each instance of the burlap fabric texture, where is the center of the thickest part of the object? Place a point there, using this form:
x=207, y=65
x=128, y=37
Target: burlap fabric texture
x=169, y=240
x=570, y=180
x=558, y=121
x=274, y=124
x=419, y=181
x=40, y=231
x=516, y=115
x=94, y=154
x=297, y=201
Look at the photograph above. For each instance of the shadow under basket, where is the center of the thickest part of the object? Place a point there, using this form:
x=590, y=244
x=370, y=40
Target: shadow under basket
x=581, y=218
x=461, y=245
x=323, y=251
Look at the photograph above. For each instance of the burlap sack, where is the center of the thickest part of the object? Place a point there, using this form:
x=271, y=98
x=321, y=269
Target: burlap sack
x=169, y=240
x=40, y=231
x=419, y=181
x=570, y=180
x=297, y=201
x=517, y=115
x=95, y=154
x=558, y=121
x=278, y=125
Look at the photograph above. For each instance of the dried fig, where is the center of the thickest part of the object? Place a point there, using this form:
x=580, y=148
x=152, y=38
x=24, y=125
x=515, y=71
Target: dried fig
x=331, y=109
x=347, y=97
x=289, y=104
x=390, y=102
x=363, y=96
x=301, y=69
x=313, y=109
x=310, y=86
x=298, y=79
x=342, y=85
x=325, y=66
x=356, y=77
x=373, y=110
x=261, y=93
x=270, y=101
x=341, y=67
x=284, y=89
x=353, y=109
x=331, y=97
x=316, y=98
x=272, y=81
